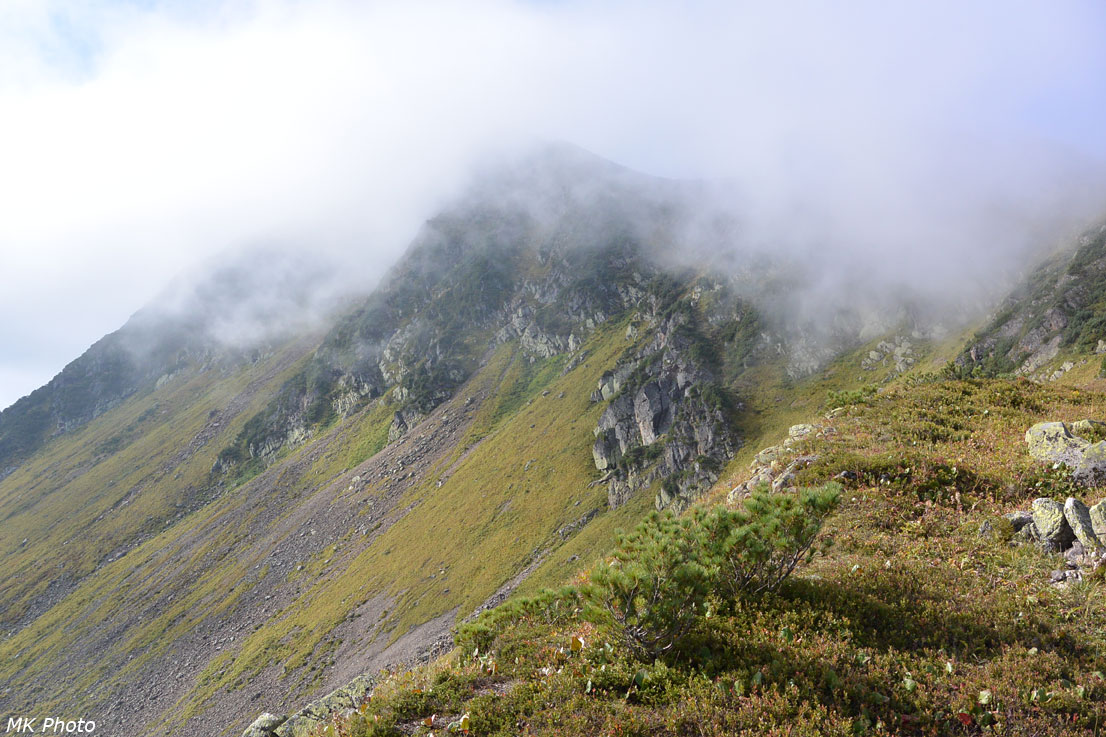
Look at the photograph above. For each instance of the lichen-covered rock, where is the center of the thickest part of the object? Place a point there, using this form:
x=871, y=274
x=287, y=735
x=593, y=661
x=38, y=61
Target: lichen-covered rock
x=1098, y=520
x=1090, y=430
x=768, y=456
x=1078, y=517
x=799, y=432
x=1091, y=468
x=339, y=702
x=1052, y=525
x=1053, y=442
x=264, y=726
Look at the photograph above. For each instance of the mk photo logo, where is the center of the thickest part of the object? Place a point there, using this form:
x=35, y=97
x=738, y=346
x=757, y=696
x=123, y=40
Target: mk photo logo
x=49, y=725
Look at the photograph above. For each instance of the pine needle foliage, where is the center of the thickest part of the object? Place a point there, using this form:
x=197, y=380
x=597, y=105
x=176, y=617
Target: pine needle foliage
x=670, y=571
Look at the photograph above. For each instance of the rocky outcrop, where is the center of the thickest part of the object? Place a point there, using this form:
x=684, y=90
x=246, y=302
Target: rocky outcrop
x=778, y=466
x=1078, y=445
x=898, y=355
x=1068, y=529
x=665, y=419
x=1056, y=309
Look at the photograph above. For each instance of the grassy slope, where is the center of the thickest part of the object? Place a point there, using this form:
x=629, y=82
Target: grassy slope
x=911, y=624
x=99, y=490
x=490, y=518
x=91, y=507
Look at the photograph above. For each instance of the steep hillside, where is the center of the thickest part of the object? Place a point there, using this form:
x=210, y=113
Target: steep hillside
x=1054, y=321
x=204, y=517
x=229, y=528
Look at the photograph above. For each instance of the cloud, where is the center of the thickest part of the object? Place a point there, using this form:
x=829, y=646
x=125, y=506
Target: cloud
x=140, y=139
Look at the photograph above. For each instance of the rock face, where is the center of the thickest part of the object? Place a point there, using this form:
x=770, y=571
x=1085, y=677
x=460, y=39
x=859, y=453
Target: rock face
x=1056, y=307
x=666, y=416
x=1079, y=446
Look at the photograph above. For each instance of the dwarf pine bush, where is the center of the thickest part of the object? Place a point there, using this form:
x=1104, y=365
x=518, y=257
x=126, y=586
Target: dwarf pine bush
x=665, y=573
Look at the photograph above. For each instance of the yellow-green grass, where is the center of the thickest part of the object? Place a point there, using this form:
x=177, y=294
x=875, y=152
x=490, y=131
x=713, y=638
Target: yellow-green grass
x=76, y=524
x=74, y=506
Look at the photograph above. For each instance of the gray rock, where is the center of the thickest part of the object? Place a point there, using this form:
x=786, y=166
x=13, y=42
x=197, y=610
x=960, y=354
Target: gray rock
x=1091, y=469
x=1019, y=519
x=1052, y=525
x=264, y=726
x=1098, y=520
x=784, y=481
x=1075, y=554
x=398, y=427
x=337, y=703
x=1089, y=430
x=798, y=432
x=652, y=411
x=1078, y=517
x=768, y=456
x=1053, y=442
x=1028, y=535
x=605, y=451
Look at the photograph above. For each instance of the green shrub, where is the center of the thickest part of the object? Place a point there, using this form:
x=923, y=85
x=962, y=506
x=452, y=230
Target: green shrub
x=666, y=573
x=850, y=397
x=755, y=548
x=657, y=585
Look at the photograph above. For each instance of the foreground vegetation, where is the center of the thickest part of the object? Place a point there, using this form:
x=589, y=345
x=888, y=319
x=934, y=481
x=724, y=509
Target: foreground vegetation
x=911, y=622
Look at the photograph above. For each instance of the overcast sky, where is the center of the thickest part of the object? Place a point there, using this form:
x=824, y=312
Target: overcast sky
x=138, y=139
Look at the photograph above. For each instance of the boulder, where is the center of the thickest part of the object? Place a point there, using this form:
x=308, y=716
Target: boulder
x=1091, y=468
x=339, y=702
x=1078, y=517
x=1054, y=442
x=264, y=726
x=1098, y=520
x=1052, y=525
x=800, y=431
x=768, y=456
